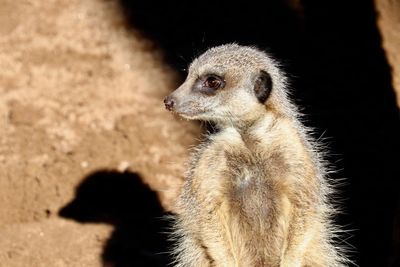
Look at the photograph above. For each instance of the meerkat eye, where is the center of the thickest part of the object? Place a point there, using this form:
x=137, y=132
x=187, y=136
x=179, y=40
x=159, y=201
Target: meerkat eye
x=213, y=82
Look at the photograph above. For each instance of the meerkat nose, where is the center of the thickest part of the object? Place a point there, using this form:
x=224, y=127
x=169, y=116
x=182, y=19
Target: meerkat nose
x=169, y=103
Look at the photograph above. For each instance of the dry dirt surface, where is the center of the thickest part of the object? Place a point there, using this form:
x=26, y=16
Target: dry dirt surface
x=388, y=19
x=79, y=93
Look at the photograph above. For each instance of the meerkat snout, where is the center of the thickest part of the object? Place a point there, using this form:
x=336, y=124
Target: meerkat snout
x=169, y=103
x=189, y=99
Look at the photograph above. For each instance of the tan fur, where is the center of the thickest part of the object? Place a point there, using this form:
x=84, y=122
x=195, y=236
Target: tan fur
x=256, y=193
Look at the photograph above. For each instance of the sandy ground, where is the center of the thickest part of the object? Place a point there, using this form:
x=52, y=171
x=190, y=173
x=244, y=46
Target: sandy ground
x=79, y=93
x=388, y=21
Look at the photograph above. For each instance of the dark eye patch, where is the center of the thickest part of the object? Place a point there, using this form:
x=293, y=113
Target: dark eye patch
x=213, y=82
x=209, y=84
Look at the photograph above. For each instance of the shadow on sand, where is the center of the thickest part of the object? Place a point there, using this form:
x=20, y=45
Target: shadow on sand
x=121, y=199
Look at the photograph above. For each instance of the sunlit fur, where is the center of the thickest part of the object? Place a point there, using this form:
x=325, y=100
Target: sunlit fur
x=256, y=192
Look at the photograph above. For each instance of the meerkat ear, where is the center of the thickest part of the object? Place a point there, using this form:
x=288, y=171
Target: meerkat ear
x=262, y=86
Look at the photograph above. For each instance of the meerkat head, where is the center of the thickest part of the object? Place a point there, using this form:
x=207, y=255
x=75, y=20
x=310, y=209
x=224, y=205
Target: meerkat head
x=228, y=84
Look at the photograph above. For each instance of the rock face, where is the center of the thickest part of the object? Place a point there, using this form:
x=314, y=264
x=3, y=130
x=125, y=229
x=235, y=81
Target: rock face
x=79, y=93
x=389, y=25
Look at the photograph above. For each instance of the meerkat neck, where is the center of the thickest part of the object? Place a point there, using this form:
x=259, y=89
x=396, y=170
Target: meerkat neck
x=256, y=125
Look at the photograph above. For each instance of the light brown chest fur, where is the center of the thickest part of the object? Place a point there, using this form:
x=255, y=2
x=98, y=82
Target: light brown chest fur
x=252, y=201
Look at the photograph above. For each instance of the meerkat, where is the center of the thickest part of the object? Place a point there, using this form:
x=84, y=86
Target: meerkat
x=256, y=192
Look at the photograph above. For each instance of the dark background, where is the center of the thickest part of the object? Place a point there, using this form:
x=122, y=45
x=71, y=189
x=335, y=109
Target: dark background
x=339, y=75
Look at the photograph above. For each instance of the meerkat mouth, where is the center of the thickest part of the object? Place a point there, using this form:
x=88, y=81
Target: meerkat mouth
x=194, y=115
x=187, y=116
x=191, y=114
